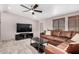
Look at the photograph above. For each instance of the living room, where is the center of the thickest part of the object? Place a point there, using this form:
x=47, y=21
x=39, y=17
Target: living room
x=62, y=24
x=15, y=18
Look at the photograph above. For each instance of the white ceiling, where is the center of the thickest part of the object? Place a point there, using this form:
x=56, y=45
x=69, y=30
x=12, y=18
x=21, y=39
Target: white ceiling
x=49, y=10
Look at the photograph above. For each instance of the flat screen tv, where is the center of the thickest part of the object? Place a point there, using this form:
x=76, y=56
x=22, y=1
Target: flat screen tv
x=24, y=27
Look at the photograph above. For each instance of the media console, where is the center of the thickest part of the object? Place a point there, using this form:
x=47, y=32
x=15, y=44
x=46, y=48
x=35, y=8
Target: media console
x=21, y=36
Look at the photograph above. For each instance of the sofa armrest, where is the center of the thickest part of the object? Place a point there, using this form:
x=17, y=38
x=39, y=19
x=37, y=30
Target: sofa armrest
x=50, y=49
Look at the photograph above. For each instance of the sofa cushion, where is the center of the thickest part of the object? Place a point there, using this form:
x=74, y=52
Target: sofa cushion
x=73, y=48
x=44, y=36
x=63, y=46
x=55, y=33
x=52, y=38
x=73, y=33
x=51, y=49
x=61, y=39
x=54, y=42
x=70, y=41
x=75, y=38
x=66, y=34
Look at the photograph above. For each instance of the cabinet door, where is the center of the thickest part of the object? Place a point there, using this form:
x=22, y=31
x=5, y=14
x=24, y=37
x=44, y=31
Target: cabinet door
x=55, y=24
x=62, y=24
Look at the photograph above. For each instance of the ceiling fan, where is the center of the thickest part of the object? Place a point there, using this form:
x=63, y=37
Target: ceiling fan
x=32, y=9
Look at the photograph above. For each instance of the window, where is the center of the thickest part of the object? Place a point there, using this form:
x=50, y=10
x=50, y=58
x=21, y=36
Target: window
x=73, y=23
x=59, y=24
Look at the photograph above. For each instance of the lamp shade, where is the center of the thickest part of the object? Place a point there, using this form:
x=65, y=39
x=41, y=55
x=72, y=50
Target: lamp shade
x=48, y=32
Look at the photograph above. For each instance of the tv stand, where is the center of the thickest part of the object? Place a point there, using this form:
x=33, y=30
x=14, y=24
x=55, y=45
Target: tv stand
x=21, y=36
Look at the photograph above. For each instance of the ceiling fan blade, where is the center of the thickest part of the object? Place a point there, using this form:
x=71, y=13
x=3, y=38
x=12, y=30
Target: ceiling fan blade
x=38, y=11
x=33, y=13
x=24, y=6
x=26, y=11
x=35, y=6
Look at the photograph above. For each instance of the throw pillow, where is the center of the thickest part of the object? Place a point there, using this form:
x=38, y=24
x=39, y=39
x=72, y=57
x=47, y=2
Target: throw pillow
x=75, y=38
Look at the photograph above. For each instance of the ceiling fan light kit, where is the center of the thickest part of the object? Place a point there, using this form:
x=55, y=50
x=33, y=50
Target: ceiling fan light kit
x=31, y=11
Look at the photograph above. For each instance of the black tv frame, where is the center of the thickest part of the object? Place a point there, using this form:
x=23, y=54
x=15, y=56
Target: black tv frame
x=19, y=29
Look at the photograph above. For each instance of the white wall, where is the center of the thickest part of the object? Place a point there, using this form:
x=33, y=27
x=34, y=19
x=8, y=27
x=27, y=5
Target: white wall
x=8, y=25
x=0, y=25
x=48, y=24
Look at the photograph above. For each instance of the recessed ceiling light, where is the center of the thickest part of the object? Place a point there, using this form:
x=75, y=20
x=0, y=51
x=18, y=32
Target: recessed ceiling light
x=9, y=7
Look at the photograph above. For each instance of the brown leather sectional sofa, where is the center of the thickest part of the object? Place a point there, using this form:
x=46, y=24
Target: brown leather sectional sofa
x=58, y=37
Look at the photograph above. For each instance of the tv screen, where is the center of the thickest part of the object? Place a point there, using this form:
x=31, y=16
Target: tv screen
x=24, y=27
